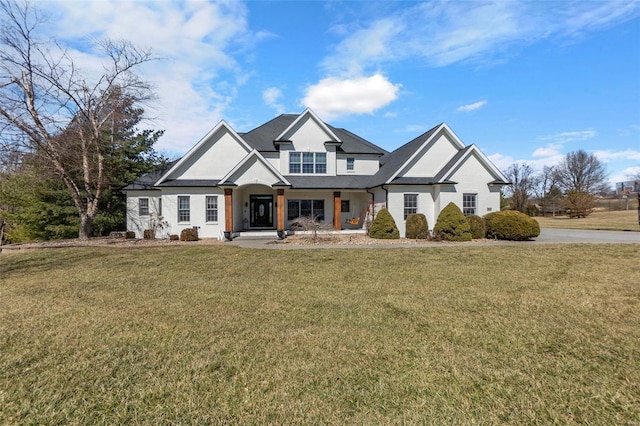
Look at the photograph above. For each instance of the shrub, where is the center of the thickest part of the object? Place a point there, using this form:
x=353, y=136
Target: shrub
x=384, y=227
x=129, y=235
x=149, y=234
x=174, y=237
x=189, y=234
x=578, y=203
x=478, y=227
x=417, y=226
x=452, y=225
x=511, y=225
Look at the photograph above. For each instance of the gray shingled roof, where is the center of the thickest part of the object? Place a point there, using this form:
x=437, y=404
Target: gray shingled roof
x=262, y=137
x=190, y=182
x=329, y=182
x=147, y=180
x=390, y=163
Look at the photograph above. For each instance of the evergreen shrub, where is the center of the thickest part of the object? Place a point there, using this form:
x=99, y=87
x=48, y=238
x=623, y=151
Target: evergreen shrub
x=384, y=227
x=174, y=237
x=189, y=234
x=129, y=235
x=417, y=226
x=452, y=225
x=148, y=234
x=478, y=228
x=511, y=225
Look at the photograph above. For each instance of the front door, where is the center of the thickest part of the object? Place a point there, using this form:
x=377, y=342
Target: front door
x=261, y=211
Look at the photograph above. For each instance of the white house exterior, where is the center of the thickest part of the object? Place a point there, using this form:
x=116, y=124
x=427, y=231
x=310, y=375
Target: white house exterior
x=297, y=165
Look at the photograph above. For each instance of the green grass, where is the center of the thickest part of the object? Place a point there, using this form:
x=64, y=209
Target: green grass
x=222, y=335
x=624, y=220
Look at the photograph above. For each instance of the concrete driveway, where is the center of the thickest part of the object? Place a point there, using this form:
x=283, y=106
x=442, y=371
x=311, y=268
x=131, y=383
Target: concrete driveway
x=568, y=236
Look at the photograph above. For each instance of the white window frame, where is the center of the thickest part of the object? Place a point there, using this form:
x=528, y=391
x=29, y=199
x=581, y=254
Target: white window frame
x=143, y=207
x=410, y=209
x=351, y=164
x=182, y=210
x=470, y=204
x=211, y=209
x=307, y=163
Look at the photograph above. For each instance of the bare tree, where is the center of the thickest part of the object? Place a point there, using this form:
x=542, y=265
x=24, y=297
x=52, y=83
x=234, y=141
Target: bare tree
x=548, y=192
x=47, y=106
x=581, y=172
x=523, y=184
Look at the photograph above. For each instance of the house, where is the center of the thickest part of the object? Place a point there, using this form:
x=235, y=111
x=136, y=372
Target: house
x=297, y=165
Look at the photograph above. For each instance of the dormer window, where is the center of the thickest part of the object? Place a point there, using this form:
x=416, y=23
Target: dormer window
x=308, y=162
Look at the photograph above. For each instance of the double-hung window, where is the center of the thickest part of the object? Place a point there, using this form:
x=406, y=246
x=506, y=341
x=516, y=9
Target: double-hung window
x=410, y=204
x=469, y=204
x=351, y=162
x=295, y=162
x=211, y=203
x=308, y=162
x=143, y=207
x=184, y=208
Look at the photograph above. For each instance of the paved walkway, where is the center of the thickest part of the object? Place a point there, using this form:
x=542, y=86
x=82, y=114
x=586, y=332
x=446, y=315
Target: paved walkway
x=547, y=236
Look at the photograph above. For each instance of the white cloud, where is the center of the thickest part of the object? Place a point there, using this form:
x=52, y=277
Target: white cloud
x=564, y=137
x=471, y=107
x=271, y=97
x=196, y=79
x=626, y=174
x=550, y=150
x=334, y=97
x=608, y=155
x=451, y=32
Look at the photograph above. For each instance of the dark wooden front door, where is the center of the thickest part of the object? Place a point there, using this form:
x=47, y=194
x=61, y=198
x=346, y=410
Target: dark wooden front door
x=261, y=211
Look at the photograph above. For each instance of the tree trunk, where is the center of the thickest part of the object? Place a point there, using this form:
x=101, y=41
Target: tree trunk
x=86, y=222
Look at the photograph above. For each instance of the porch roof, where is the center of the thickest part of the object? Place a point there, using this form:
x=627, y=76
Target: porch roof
x=329, y=182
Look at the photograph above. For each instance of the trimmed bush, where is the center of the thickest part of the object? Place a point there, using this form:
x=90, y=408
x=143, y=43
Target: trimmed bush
x=189, y=234
x=384, y=227
x=417, y=226
x=511, y=225
x=148, y=234
x=174, y=237
x=129, y=235
x=478, y=228
x=452, y=225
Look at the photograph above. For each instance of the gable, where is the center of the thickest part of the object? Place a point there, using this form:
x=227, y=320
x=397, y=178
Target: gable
x=431, y=157
x=212, y=158
x=254, y=169
x=308, y=133
x=472, y=170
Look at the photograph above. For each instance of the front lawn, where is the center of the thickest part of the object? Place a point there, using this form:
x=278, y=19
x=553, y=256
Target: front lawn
x=223, y=335
x=621, y=220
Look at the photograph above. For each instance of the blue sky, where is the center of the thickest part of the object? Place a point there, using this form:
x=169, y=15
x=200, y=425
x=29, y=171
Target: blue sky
x=524, y=81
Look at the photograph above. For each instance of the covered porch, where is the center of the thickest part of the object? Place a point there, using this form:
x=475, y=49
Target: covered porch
x=259, y=209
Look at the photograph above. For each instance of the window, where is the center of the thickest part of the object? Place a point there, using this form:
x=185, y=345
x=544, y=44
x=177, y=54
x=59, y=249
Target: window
x=308, y=208
x=410, y=204
x=321, y=162
x=345, y=206
x=469, y=204
x=211, y=208
x=294, y=162
x=351, y=162
x=159, y=206
x=308, y=162
x=184, y=210
x=143, y=207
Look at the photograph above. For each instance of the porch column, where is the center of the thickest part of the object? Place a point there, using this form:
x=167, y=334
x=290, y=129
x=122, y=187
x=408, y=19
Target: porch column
x=228, y=213
x=280, y=213
x=337, y=208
